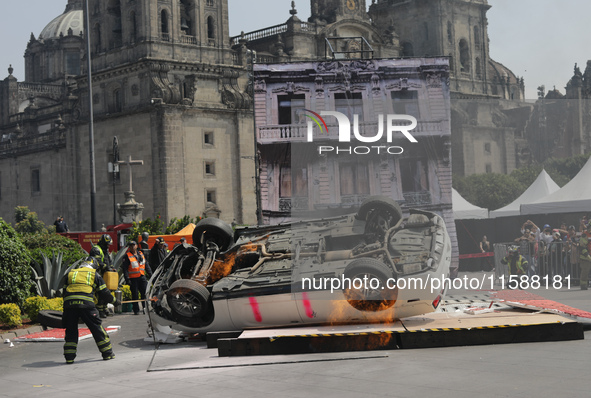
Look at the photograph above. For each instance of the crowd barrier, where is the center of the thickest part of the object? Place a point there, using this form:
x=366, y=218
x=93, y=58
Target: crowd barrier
x=545, y=260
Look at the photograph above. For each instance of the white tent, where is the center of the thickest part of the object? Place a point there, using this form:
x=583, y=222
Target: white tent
x=573, y=197
x=464, y=210
x=542, y=186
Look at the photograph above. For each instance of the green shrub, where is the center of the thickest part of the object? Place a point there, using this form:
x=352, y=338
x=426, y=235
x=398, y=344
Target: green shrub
x=27, y=221
x=35, y=304
x=126, y=292
x=53, y=244
x=10, y=315
x=15, y=273
x=56, y=304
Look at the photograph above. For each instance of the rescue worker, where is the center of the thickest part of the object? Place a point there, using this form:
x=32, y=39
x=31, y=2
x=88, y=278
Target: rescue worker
x=135, y=270
x=144, y=246
x=585, y=256
x=104, y=265
x=80, y=286
x=517, y=264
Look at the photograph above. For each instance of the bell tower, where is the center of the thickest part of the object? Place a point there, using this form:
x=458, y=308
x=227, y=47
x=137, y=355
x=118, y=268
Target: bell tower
x=335, y=10
x=168, y=28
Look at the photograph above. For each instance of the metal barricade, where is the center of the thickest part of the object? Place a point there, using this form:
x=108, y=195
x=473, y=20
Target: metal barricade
x=553, y=259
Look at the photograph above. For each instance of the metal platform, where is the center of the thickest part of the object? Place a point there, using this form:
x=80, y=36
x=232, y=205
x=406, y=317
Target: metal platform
x=460, y=321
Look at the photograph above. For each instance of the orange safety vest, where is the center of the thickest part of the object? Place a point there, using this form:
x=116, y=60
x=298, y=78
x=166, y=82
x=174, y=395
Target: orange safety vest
x=137, y=265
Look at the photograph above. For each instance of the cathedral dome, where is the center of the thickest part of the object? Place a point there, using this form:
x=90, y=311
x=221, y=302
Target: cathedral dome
x=72, y=18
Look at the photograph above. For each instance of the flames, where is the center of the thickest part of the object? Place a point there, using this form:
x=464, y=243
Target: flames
x=224, y=265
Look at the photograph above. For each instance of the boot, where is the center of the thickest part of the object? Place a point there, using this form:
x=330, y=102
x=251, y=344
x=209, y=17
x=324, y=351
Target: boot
x=102, y=314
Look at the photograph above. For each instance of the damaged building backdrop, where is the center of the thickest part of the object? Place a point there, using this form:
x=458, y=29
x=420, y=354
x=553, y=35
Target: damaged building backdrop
x=173, y=86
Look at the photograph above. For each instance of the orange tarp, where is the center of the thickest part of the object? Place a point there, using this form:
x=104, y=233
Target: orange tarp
x=171, y=240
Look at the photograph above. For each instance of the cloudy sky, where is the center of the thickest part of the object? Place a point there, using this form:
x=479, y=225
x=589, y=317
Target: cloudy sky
x=540, y=40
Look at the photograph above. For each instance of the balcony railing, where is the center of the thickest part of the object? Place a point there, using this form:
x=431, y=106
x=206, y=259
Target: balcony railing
x=299, y=132
x=260, y=34
x=289, y=204
x=413, y=199
x=186, y=39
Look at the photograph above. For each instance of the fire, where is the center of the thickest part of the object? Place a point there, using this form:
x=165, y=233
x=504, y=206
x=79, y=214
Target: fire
x=223, y=266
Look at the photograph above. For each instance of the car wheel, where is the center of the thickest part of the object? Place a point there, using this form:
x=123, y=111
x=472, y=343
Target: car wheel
x=214, y=230
x=369, y=289
x=188, y=299
x=380, y=214
x=50, y=318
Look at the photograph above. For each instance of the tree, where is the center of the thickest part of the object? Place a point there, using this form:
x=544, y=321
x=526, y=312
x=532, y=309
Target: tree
x=176, y=224
x=491, y=190
x=27, y=221
x=15, y=273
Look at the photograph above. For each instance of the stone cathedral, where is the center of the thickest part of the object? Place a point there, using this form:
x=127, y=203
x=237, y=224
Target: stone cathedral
x=173, y=86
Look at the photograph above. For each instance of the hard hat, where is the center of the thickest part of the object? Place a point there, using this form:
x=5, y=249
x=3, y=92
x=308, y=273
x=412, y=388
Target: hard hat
x=513, y=249
x=145, y=236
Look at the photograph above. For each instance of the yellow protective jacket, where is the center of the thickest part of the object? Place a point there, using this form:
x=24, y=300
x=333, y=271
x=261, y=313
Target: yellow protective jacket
x=81, y=284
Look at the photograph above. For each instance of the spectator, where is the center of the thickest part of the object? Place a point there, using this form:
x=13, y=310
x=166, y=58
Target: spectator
x=180, y=242
x=585, y=256
x=573, y=248
x=61, y=226
x=485, y=247
x=583, y=223
x=157, y=253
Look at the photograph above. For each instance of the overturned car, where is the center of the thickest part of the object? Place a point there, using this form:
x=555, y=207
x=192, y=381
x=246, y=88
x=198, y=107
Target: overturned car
x=356, y=268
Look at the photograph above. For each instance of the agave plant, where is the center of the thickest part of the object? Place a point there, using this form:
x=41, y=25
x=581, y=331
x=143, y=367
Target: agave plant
x=49, y=277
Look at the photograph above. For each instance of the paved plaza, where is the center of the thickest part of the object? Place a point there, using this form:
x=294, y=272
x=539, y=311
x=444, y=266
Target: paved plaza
x=191, y=370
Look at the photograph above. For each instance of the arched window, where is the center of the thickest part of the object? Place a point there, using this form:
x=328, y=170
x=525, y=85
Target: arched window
x=478, y=68
x=164, y=25
x=185, y=17
x=132, y=27
x=114, y=10
x=407, y=49
x=209, y=3
x=464, y=56
x=117, y=101
x=449, y=33
x=98, y=43
x=210, y=29
x=477, y=37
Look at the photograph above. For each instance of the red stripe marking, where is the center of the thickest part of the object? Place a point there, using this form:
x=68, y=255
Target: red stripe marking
x=307, y=305
x=255, y=309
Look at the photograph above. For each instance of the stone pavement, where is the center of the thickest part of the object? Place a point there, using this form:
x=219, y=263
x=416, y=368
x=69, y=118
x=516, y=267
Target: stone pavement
x=139, y=370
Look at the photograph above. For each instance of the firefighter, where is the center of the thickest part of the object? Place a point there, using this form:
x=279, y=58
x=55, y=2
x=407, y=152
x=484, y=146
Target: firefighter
x=517, y=264
x=585, y=256
x=81, y=284
x=104, y=265
x=135, y=270
x=144, y=247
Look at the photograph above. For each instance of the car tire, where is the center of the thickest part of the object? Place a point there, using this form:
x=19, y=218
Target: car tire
x=50, y=318
x=369, y=299
x=188, y=299
x=215, y=230
x=380, y=214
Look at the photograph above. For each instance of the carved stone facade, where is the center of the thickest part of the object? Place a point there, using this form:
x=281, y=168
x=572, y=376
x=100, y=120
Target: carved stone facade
x=299, y=179
x=173, y=86
x=165, y=83
x=457, y=29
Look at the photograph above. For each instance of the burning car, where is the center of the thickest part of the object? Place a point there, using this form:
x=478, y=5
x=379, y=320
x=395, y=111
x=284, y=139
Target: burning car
x=305, y=272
